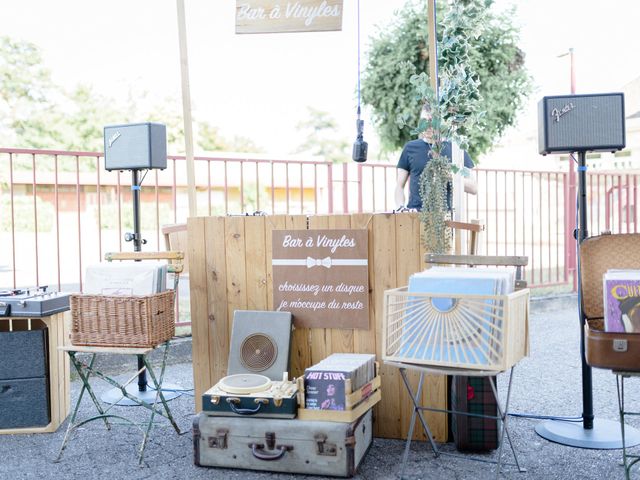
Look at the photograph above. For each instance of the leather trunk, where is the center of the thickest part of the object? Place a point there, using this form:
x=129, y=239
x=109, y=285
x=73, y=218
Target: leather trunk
x=278, y=445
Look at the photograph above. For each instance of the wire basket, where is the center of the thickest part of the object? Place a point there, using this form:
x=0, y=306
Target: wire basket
x=143, y=321
x=481, y=332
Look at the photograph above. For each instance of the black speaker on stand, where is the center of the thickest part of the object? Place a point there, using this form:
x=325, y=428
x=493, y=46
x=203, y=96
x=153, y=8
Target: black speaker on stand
x=578, y=124
x=136, y=147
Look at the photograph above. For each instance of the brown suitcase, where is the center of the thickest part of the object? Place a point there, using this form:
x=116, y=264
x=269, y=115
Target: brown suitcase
x=617, y=351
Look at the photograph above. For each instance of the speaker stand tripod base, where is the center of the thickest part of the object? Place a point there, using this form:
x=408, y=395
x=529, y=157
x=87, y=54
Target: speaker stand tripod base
x=604, y=435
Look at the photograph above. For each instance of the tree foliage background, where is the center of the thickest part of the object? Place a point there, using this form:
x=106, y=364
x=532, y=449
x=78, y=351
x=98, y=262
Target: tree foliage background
x=402, y=49
x=35, y=112
x=321, y=137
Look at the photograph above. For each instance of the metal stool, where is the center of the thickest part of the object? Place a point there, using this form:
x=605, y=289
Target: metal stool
x=628, y=459
x=85, y=370
x=418, y=408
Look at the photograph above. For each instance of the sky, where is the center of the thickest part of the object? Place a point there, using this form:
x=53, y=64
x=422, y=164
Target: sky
x=259, y=86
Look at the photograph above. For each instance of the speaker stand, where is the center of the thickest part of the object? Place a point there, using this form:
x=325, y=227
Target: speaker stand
x=591, y=433
x=142, y=389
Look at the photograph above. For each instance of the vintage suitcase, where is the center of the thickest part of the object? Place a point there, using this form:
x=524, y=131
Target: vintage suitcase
x=276, y=445
x=474, y=395
x=617, y=351
x=279, y=400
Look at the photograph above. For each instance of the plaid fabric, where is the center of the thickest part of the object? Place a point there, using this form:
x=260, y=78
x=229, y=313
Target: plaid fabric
x=474, y=395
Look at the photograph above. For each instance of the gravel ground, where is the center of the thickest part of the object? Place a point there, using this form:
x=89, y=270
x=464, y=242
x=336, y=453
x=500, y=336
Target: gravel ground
x=546, y=383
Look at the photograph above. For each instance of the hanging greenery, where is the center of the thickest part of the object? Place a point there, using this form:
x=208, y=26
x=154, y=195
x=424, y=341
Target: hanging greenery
x=452, y=113
x=489, y=47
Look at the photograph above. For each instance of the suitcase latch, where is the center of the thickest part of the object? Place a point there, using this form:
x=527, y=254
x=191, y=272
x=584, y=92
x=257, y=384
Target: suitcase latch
x=220, y=440
x=619, y=345
x=324, y=448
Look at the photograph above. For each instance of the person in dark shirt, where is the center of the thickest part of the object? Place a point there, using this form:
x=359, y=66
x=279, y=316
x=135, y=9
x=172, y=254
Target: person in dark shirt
x=414, y=157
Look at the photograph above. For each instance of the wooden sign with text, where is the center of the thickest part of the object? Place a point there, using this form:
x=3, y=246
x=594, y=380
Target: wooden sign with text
x=279, y=16
x=322, y=277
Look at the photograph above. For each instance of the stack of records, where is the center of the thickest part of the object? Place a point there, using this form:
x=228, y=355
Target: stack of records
x=326, y=382
x=621, y=290
x=463, y=329
x=125, y=279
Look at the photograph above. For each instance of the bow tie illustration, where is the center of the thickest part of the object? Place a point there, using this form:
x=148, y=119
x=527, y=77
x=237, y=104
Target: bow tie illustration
x=319, y=262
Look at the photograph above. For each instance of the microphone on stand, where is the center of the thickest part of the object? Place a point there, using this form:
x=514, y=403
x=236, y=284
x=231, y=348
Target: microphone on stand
x=360, y=147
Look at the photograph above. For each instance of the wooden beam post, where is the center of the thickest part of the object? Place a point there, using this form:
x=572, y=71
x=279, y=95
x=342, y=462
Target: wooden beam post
x=433, y=45
x=186, y=108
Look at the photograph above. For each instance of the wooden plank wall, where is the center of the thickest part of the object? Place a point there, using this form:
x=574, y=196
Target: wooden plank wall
x=230, y=269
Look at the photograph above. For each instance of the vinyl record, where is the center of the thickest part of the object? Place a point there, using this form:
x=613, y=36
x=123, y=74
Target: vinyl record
x=244, y=383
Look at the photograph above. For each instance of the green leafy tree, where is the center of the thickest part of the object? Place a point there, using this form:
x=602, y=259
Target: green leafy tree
x=25, y=91
x=492, y=54
x=36, y=113
x=322, y=137
x=211, y=140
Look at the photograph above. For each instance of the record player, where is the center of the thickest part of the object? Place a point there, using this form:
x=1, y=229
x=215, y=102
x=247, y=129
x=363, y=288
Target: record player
x=257, y=382
x=250, y=394
x=32, y=303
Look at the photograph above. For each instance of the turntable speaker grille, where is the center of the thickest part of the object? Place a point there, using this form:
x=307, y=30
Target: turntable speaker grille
x=260, y=343
x=258, y=352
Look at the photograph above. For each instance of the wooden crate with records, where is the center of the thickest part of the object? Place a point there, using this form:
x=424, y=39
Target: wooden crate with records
x=340, y=388
x=468, y=318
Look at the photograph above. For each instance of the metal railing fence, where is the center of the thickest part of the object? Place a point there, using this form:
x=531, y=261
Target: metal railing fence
x=60, y=210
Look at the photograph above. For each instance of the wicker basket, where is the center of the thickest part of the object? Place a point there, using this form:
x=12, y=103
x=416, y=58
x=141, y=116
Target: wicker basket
x=480, y=332
x=122, y=321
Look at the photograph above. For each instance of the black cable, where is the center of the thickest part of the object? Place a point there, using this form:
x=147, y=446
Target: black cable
x=358, y=111
x=545, y=417
x=143, y=177
x=360, y=147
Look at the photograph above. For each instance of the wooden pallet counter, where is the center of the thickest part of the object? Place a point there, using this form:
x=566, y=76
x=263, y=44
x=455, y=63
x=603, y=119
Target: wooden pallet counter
x=57, y=364
x=230, y=269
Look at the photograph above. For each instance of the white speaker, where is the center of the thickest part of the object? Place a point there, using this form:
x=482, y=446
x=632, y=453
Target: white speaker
x=260, y=343
x=135, y=146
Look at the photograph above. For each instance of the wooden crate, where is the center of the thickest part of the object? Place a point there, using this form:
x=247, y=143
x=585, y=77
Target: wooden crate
x=355, y=406
x=230, y=269
x=479, y=332
x=58, y=364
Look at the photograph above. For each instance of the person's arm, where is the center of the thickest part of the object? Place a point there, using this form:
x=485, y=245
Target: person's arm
x=401, y=181
x=470, y=184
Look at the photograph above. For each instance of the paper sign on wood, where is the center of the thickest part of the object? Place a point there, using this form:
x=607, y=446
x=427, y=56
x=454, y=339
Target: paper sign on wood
x=321, y=276
x=278, y=16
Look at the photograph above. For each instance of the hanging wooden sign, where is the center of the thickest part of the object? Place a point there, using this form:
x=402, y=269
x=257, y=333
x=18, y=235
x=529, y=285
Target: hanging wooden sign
x=279, y=16
x=321, y=276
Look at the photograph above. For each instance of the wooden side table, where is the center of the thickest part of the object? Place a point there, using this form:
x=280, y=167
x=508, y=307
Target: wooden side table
x=57, y=363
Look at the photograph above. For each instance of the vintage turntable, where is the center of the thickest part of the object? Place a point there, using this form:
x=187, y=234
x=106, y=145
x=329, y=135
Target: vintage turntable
x=32, y=303
x=252, y=394
x=257, y=381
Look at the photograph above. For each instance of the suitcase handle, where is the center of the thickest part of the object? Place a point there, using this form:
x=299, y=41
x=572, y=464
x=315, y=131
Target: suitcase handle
x=246, y=411
x=259, y=452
